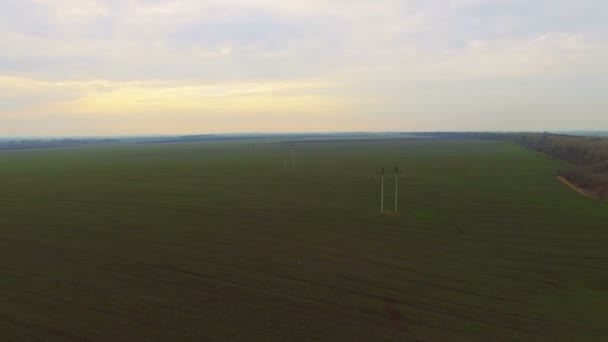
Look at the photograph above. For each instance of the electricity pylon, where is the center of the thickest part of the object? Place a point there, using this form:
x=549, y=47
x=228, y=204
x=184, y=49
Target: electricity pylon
x=293, y=154
x=383, y=172
x=396, y=186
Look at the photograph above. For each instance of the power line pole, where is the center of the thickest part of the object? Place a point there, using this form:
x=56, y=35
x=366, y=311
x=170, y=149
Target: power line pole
x=381, y=189
x=293, y=154
x=382, y=172
x=396, y=186
x=382, y=193
x=285, y=155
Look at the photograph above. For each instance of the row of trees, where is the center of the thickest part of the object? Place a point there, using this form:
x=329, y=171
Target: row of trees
x=588, y=155
x=42, y=143
x=576, y=150
x=588, y=179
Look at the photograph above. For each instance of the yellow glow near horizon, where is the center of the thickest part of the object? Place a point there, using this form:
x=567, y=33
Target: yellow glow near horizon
x=131, y=100
x=108, y=97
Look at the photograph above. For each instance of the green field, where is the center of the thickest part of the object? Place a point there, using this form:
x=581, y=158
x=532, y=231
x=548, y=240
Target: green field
x=217, y=241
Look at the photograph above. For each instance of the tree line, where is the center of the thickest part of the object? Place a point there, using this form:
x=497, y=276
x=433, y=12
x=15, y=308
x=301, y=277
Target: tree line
x=47, y=143
x=587, y=155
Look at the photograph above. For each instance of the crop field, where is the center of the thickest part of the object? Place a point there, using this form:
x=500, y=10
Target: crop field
x=218, y=241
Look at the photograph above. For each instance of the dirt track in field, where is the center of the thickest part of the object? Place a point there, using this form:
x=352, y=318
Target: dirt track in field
x=577, y=189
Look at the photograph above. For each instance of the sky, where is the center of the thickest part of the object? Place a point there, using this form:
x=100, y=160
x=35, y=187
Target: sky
x=139, y=67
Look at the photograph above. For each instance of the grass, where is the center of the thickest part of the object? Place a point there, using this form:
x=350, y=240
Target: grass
x=216, y=241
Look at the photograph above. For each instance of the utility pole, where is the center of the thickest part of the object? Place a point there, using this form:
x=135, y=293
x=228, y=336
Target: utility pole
x=382, y=192
x=285, y=155
x=381, y=189
x=396, y=186
x=293, y=154
x=382, y=172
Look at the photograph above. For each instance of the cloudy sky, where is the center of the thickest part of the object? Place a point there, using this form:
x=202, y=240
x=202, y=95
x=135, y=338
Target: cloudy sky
x=124, y=67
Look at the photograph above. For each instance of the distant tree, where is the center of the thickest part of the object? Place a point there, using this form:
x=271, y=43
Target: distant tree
x=589, y=154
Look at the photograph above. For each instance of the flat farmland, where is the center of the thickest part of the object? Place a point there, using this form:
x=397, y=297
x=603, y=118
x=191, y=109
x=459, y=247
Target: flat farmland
x=218, y=241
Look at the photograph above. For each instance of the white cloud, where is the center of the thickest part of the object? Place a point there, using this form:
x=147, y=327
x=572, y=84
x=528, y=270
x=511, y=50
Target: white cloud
x=369, y=51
